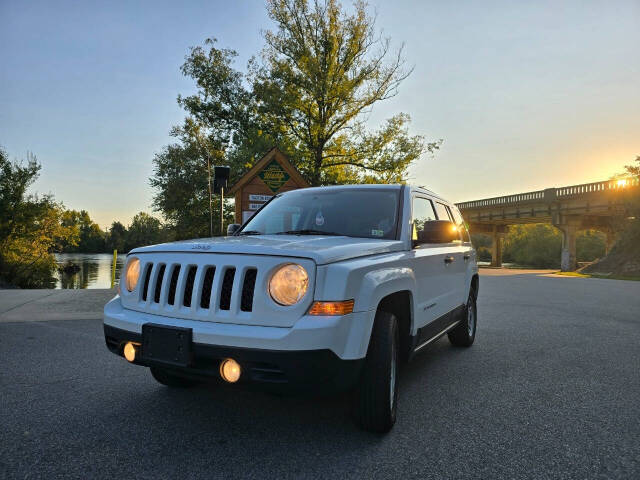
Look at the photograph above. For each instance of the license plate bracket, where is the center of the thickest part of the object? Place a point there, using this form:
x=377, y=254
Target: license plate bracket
x=163, y=344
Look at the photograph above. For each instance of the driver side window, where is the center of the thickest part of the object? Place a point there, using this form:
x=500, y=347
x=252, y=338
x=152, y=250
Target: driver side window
x=422, y=213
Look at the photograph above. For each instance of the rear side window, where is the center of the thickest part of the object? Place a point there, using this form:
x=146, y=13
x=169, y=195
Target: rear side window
x=422, y=212
x=459, y=221
x=442, y=212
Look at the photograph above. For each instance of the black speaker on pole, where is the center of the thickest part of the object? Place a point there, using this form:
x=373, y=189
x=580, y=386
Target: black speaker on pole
x=220, y=178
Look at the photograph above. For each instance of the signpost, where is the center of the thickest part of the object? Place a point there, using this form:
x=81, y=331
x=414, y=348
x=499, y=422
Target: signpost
x=113, y=268
x=220, y=178
x=271, y=175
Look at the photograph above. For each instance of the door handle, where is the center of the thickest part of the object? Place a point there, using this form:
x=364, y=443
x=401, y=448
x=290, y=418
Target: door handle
x=466, y=257
x=448, y=259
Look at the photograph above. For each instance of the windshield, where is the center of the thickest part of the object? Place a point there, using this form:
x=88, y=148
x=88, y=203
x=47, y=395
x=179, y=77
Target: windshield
x=367, y=213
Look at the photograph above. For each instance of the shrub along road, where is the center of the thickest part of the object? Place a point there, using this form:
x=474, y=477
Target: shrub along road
x=549, y=390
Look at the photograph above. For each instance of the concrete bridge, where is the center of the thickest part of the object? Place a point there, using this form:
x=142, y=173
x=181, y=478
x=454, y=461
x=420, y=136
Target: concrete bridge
x=600, y=206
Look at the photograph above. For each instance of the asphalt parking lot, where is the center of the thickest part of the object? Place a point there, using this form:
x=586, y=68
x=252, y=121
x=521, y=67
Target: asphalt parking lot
x=551, y=389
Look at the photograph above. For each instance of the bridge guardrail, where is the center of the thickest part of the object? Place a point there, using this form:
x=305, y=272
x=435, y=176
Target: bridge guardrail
x=551, y=194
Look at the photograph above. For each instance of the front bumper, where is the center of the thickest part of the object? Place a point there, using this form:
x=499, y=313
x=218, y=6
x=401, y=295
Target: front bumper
x=346, y=336
x=272, y=370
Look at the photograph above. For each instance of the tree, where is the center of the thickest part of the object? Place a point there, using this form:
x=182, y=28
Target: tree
x=116, y=237
x=482, y=244
x=633, y=170
x=323, y=70
x=91, y=236
x=320, y=74
x=180, y=178
x=144, y=230
x=539, y=245
x=624, y=257
x=536, y=245
x=590, y=245
x=30, y=227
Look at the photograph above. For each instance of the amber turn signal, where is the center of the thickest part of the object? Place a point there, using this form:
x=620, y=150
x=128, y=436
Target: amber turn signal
x=331, y=308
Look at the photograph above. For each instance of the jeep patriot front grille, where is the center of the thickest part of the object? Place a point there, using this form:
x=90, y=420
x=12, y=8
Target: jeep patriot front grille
x=162, y=282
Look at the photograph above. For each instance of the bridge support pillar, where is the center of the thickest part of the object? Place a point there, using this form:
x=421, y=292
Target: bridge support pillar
x=568, y=261
x=496, y=246
x=611, y=239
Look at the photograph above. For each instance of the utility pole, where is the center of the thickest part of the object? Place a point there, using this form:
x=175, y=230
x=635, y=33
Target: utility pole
x=210, y=198
x=221, y=211
x=220, y=178
x=206, y=154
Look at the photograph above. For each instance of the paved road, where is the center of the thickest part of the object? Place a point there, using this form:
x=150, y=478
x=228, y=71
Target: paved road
x=46, y=304
x=551, y=389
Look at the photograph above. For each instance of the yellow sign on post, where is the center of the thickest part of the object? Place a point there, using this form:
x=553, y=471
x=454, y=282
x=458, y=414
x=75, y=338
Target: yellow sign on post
x=113, y=268
x=274, y=176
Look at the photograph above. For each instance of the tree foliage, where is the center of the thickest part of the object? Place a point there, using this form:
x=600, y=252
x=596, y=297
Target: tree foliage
x=180, y=179
x=145, y=230
x=116, y=237
x=91, y=238
x=30, y=226
x=540, y=245
x=322, y=72
x=310, y=92
x=633, y=170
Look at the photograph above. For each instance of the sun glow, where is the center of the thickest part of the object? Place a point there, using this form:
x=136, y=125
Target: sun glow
x=622, y=182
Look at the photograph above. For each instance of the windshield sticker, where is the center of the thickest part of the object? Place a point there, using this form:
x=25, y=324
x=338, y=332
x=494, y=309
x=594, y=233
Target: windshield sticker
x=377, y=233
x=319, y=219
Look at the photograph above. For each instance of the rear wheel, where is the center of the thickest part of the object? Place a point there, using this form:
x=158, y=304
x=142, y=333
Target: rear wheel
x=376, y=396
x=165, y=378
x=464, y=333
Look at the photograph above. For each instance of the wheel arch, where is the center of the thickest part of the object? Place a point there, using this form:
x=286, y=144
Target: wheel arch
x=391, y=290
x=400, y=304
x=475, y=285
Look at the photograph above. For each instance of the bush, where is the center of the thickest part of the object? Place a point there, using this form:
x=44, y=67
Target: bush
x=30, y=227
x=538, y=245
x=484, y=254
x=590, y=245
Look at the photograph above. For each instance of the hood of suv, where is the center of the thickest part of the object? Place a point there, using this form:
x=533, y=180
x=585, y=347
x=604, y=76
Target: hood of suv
x=321, y=249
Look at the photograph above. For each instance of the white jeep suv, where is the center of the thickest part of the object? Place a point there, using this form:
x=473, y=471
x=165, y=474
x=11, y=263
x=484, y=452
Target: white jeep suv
x=325, y=288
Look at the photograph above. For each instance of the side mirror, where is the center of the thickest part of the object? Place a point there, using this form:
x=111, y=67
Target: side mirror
x=232, y=228
x=438, y=231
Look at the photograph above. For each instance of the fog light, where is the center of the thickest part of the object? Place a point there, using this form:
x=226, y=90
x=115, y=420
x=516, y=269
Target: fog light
x=230, y=370
x=130, y=351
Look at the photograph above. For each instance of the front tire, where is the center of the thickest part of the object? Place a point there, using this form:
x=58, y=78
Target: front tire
x=464, y=333
x=376, y=396
x=165, y=378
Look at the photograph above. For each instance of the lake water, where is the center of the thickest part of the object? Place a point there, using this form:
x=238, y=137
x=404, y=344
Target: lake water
x=95, y=270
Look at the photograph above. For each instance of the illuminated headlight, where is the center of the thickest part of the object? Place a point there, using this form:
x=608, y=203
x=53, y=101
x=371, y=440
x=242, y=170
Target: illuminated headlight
x=132, y=274
x=289, y=284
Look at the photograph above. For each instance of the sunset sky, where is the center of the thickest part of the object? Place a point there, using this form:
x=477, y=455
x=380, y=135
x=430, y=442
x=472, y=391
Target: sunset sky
x=525, y=95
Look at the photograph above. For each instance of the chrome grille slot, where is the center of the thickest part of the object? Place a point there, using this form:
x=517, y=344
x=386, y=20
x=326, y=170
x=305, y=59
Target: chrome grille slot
x=173, y=284
x=248, y=287
x=158, y=286
x=227, y=288
x=188, y=288
x=147, y=277
x=207, y=285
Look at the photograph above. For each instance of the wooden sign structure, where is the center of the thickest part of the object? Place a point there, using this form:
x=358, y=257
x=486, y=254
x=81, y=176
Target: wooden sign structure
x=272, y=174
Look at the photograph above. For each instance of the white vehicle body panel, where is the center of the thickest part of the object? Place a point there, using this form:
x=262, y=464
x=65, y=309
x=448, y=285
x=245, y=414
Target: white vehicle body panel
x=321, y=249
x=347, y=336
x=339, y=268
